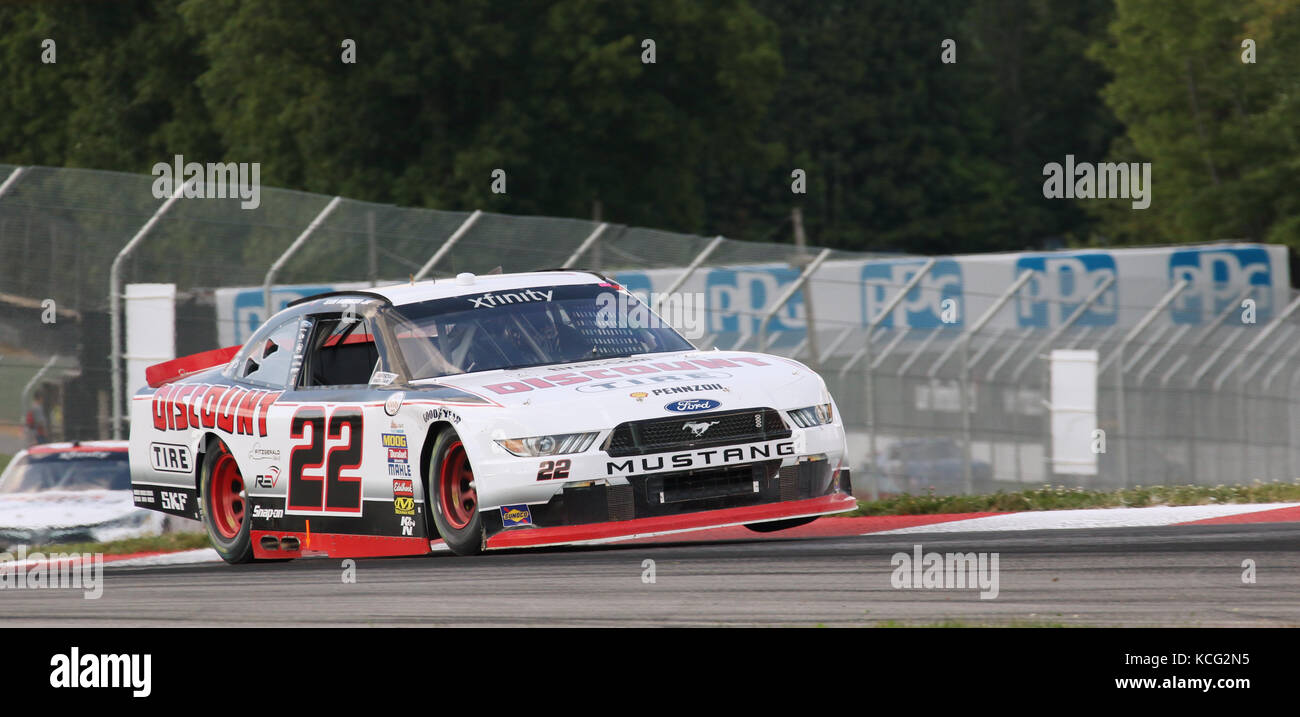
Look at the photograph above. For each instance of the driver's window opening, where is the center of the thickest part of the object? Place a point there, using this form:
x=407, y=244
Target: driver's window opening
x=342, y=353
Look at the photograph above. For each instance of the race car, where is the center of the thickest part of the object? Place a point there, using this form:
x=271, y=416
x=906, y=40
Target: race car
x=70, y=492
x=477, y=413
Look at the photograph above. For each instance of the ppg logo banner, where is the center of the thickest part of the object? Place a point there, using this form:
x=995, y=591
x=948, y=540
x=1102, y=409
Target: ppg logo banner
x=924, y=306
x=1217, y=278
x=736, y=299
x=1060, y=285
x=846, y=291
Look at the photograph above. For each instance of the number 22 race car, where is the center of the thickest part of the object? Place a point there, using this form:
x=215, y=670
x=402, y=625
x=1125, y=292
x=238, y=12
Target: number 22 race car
x=479, y=413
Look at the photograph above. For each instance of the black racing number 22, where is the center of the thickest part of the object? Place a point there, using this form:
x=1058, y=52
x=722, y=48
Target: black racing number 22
x=333, y=443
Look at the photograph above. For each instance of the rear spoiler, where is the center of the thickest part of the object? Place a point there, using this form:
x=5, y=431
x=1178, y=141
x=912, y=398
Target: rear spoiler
x=178, y=368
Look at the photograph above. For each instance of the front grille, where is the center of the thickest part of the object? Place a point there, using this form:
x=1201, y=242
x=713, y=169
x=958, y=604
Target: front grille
x=658, y=435
x=701, y=485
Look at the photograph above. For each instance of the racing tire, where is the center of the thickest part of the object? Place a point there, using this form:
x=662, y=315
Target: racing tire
x=224, y=498
x=452, y=497
x=772, y=526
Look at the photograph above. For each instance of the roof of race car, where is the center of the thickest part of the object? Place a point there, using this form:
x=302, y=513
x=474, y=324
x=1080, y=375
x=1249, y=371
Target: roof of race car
x=400, y=294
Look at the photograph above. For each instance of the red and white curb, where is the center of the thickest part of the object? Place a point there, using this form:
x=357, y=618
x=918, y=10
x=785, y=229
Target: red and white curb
x=1112, y=518
x=836, y=527
x=53, y=558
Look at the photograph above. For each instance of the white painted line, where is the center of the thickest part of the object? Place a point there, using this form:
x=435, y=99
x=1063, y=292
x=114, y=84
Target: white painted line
x=1088, y=518
x=182, y=557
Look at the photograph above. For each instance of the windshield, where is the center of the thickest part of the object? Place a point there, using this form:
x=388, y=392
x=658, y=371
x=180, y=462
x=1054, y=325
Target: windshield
x=71, y=470
x=528, y=327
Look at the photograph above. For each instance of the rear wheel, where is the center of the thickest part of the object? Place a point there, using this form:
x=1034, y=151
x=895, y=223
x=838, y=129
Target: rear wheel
x=772, y=526
x=454, y=495
x=225, y=502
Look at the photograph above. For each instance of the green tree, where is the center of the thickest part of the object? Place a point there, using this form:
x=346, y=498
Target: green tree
x=554, y=93
x=1220, y=133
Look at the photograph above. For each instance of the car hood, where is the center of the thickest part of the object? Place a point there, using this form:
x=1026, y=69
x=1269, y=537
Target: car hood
x=64, y=509
x=596, y=394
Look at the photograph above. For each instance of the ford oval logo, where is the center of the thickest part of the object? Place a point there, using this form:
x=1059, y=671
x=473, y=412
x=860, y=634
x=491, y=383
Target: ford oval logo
x=692, y=404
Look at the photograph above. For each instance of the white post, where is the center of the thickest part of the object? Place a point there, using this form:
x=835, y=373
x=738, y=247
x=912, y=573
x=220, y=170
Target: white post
x=115, y=302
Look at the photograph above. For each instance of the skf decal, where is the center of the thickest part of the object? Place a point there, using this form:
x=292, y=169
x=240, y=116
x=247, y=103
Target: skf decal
x=513, y=515
x=230, y=409
x=404, y=506
x=697, y=459
x=615, y=377
x=173, y=501
x=170, y=458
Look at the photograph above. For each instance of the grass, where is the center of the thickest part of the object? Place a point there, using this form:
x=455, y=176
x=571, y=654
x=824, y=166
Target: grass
x=1062, y=498
x=149, y=544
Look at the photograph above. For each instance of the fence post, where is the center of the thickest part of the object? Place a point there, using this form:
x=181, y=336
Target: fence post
x=1055, y=333
x=586, y=244
x=885, y=310
x=1254, y=344
x=115, y=302
x=964, y=373
x=447, y=245
x=1138, y=328
x=788, y=294
x=293, y=248
x=11, y=179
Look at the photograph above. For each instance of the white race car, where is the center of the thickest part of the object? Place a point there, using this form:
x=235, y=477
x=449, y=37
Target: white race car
x=71, y=492
x=497, y=411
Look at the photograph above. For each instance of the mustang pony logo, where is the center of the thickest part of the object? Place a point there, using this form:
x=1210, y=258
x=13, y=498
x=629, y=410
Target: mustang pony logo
x=697, y=429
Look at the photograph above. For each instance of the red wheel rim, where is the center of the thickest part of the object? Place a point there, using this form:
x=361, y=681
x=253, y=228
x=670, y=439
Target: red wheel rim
x=227, y=497
x=456, y=486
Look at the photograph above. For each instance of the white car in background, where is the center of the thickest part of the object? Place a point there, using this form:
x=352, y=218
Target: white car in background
x=71, y=492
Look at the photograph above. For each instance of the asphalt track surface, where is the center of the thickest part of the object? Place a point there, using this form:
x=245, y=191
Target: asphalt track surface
x=1187, y=575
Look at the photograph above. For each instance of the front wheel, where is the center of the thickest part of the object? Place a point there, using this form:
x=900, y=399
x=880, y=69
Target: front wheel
x=225, y=501
x=772, y=526
x=454, y=495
